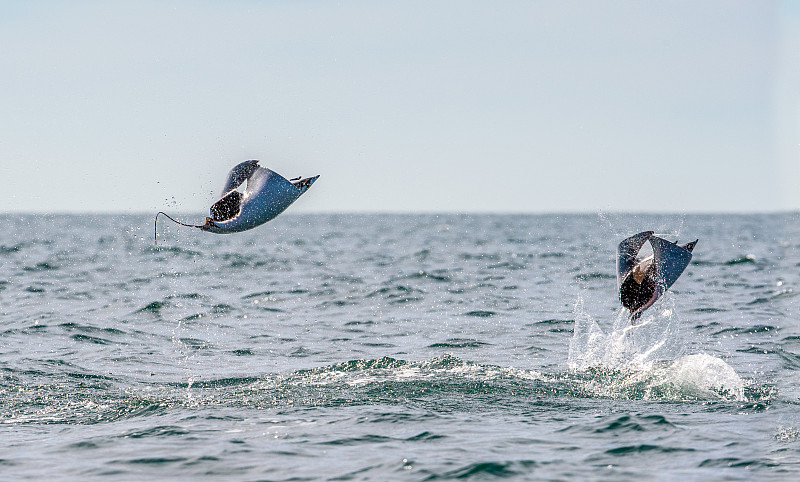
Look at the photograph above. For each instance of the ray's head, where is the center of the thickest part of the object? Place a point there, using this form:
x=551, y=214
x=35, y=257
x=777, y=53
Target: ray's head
x=210, y=225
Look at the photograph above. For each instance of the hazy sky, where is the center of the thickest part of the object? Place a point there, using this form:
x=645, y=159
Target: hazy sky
x=435, y=106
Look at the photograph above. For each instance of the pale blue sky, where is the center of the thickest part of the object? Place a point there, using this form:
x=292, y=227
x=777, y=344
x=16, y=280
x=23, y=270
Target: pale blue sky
x=457, y=106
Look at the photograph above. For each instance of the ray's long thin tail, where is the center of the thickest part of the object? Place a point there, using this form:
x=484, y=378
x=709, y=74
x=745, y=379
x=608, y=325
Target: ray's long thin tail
x=155, y=225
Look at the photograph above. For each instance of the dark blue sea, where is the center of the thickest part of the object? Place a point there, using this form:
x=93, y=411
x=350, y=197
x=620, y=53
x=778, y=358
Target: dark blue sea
x=395, y=347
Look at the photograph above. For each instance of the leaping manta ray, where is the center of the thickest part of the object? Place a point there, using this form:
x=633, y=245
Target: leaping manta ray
x=266, y=195
x=642, y=281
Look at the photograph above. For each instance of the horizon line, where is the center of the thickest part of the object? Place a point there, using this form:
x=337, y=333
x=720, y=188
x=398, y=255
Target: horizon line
x=422, y=213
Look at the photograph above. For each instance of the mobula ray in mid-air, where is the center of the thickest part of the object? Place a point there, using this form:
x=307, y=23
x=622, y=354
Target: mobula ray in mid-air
x=266, y=195
x=642, y=281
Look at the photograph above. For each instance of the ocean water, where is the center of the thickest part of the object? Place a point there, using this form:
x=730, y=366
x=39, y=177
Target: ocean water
x=395, y=347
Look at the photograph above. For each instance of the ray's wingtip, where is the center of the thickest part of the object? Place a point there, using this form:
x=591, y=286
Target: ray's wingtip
x=304, y=183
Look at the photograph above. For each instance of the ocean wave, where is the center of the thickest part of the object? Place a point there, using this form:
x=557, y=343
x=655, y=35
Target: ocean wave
x=441, y=380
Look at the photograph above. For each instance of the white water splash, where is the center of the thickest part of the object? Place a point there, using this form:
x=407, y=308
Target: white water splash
x=701, y=376
x=650, y=355
x=654, y=337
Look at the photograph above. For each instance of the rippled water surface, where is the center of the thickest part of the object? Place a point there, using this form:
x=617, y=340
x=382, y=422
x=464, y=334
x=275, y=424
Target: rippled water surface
x=395, y=347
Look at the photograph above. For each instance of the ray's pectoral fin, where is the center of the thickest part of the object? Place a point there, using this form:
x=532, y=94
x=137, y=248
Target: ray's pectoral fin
x=670, y=261
x=239, y=174
x=627, y=252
